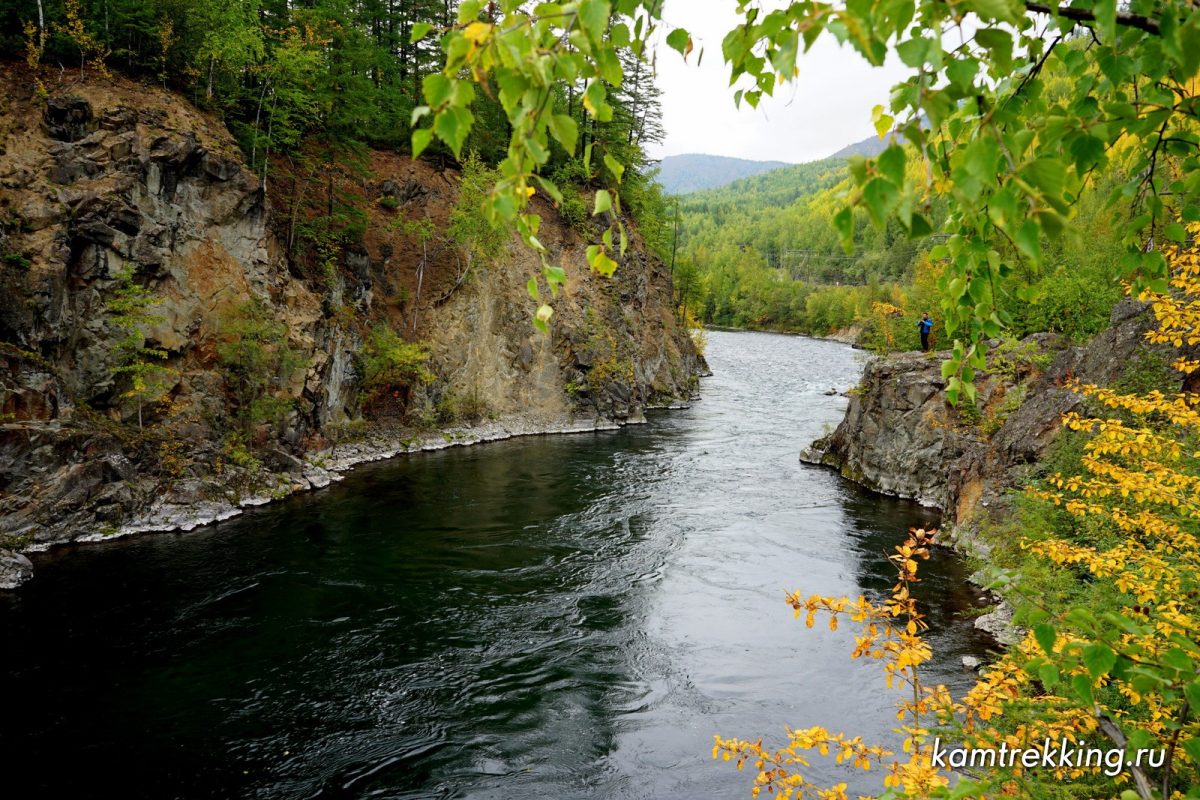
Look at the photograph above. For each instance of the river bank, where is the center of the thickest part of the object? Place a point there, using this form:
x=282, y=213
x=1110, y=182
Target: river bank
x=848, y=336
x=901, y=438
x=175, y=512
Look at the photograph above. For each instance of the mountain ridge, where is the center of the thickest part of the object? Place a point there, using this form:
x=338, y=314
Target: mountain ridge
x=693, y=172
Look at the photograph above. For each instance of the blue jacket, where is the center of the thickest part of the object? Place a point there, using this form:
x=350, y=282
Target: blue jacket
x=926, y=325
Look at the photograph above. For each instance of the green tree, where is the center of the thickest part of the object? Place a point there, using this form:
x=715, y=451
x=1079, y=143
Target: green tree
x=136, y=362
x=257, y=363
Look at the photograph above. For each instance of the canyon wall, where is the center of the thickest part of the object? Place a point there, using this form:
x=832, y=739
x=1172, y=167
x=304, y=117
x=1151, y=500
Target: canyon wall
x=111, y=190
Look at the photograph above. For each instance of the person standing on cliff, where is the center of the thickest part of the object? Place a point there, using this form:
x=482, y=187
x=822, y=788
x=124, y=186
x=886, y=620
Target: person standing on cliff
x=925, y=325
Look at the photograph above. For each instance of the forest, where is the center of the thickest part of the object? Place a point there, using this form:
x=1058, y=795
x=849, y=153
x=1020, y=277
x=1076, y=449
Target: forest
x=762, y=253
x=313, y=84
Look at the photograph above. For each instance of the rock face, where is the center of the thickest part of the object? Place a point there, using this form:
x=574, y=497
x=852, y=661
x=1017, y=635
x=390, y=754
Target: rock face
x=901, y=438
x=109, y=179
x=15, y=569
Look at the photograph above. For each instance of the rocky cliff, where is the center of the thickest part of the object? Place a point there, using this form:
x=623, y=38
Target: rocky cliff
x=901, y=438
x=119, y=200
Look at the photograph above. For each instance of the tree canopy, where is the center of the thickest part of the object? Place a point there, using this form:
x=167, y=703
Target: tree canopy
x=985, y=130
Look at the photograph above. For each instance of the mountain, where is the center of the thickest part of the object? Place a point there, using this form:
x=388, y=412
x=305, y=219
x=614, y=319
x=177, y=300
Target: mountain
x=693, y=172
x=872, y=145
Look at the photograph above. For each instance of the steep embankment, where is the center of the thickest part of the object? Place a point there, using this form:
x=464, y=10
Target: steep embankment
x=106, y=177
x=900, y=436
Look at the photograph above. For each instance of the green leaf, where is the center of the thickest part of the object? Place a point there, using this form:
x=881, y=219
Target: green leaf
x=961, y=72
x=600, y=262
x=419, y=31
x=681, y=41
x=452, y=127
x=593, y=18
x=615, y=167
x=564, y=129
x=1082, y=685
x=549, y=188
x=1002, y=10
x=783, y=57
x=843, y=222
x=891, y=164
x=1192, y=693
x=968, y=389
x=1099, y=659
x=555, y=276
x=997, y=42
x=1029, y=240
x=420, y=140
x=1045, y=635
x=1106, y=18
x=1047, y=174
x=532, y=288
x=883, y=122
x=438, y=89
x=1048, y=674
x=1192, y=748
x=1178, y=660
x=603, y=202
x=880, y=197
x=610, y=66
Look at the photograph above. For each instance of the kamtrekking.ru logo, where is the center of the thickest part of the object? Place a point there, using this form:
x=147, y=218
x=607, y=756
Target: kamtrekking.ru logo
x=1063, y=754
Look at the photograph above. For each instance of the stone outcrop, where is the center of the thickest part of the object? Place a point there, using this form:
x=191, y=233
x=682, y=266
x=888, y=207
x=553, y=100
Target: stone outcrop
x=107, y=177
x=900, y=436
x=15, y=569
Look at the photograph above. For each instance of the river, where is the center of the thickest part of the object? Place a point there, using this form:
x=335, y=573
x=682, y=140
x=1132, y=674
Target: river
x=548, y=617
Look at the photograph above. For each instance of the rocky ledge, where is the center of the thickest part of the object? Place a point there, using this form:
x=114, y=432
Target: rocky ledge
x=900, y=437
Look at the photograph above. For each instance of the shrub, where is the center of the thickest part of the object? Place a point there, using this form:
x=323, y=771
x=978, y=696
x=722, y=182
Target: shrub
x=466, y=407
x=471, y=225
x=573, y=208
x=389, y=365
x=256, y=360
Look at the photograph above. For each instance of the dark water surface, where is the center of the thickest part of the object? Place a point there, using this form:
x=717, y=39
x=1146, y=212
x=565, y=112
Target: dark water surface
x=552, y=617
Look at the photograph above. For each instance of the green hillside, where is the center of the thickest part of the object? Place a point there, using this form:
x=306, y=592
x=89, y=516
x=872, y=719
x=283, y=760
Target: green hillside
x=763, y=253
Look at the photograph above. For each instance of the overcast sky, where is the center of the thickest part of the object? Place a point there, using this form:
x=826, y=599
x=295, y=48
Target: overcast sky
x=828, y=107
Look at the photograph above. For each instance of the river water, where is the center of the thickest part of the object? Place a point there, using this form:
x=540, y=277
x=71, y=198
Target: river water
x=550, y=617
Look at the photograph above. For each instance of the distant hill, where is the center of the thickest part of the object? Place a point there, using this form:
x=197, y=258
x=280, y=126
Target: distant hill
x=694, y=172
x=870, y=146
x=768, y=192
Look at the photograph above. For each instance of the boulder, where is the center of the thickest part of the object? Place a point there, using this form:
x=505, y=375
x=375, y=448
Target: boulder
x=68, y=118
x=15, y=569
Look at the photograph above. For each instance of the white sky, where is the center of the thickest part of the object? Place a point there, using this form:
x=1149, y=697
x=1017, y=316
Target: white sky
x=827, y=107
